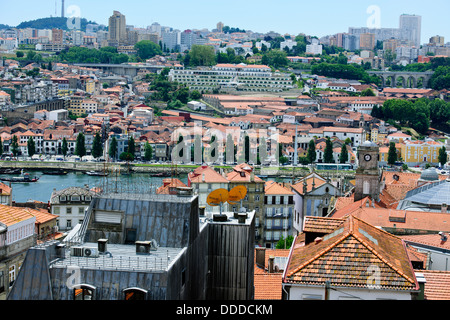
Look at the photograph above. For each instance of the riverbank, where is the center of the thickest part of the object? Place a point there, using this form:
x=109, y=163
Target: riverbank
x=83, y=166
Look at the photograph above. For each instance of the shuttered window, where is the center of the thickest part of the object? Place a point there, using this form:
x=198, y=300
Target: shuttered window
x=108, y=217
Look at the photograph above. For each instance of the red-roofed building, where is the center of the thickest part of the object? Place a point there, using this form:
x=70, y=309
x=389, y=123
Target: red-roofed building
x=350, y=260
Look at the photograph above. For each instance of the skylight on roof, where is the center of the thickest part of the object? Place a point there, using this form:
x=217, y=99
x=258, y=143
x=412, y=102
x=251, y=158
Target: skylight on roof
x=368, y=236
x=333, y=234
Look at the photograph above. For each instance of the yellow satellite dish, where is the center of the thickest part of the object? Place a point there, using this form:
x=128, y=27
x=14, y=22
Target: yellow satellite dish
x=237, y=194
x=217, y=197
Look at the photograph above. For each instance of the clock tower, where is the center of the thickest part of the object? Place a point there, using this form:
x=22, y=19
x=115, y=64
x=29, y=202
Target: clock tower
x=367, y=174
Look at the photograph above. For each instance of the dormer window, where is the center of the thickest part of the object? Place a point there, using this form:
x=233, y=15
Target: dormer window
x=62, y=199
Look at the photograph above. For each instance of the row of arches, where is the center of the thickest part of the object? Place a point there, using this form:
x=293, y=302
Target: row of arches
x=404, y=81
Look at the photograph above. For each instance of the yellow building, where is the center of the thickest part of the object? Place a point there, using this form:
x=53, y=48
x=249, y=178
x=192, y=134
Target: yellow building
x=90, y=86
x=420, y=152
x=75, y=105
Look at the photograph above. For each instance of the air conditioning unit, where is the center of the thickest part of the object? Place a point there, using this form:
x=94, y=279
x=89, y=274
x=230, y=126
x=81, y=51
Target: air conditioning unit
x=90, y=252
x=84, y=252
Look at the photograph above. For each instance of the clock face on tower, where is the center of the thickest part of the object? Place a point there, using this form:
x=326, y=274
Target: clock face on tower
x=367, y=157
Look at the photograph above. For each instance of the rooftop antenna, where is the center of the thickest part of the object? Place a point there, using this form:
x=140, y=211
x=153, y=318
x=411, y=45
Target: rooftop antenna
x=237, y=194
x=217, y=198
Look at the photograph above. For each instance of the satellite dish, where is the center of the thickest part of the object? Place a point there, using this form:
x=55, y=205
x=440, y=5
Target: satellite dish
x=217, y=197
x=237, y=194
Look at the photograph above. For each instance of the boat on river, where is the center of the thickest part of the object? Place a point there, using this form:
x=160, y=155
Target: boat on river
x=24, y=178
x=97, y=173
x=56, y=172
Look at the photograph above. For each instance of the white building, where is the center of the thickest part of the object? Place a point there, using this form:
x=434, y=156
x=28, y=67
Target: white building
x=70, y=205
x=314, y=47
x=356, y=135
x=288, y=43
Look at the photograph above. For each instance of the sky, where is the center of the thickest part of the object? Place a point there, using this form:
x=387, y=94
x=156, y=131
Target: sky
x=315, y=18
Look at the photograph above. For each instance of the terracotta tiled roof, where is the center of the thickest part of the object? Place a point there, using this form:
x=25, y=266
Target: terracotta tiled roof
x=11, y=215
x=437, y=286
x=345, y=256
x=205, y=174
x=433, y=240
x=320, y=225
x=268, y=286
x=272, y=187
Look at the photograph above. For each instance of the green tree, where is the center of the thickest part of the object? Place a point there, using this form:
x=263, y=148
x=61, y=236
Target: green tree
x=15, y=146
x=343, y=157
x=285, y=243
x=147, y=49
x=196, y=95
x=311, y=155
x=276, y=58
x=113, y=148
x=80, y=146
x=367, y=93
x=132, y=146
x=328, y=152
x=31, y=146
x=202, y=55
x=126, y=156
x=442, y=156
x=392, y=154
x=97, y=146
x=64, y=147
x=19, y=54
x=148, y=151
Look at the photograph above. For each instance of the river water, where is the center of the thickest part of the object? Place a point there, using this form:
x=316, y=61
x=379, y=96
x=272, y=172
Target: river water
x=42, y=189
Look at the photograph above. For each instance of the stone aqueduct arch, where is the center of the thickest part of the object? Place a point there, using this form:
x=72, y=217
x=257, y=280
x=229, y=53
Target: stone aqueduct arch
x=409, y=79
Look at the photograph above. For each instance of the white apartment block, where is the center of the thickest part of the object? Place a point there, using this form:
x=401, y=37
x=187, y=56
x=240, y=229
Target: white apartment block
x=258, y=78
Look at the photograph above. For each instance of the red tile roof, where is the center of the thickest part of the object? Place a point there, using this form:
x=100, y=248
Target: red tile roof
x=344, y=256
x=437, y=286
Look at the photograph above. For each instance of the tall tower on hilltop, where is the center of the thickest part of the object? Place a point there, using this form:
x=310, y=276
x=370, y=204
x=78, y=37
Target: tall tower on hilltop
x=62, y=8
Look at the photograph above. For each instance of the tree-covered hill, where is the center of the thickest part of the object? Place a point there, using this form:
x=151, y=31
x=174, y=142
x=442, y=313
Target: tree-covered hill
x=52, y=22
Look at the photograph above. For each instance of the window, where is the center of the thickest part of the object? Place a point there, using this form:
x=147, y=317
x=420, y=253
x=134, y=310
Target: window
x=69, y=210
x=12, y=275
x=81, y=210
x=366, y=187
x=56, y=210
x=84, y=292
x=69, y=224
x=135, y=294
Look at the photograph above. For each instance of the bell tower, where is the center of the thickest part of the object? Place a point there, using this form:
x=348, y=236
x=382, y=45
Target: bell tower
x=367, y=174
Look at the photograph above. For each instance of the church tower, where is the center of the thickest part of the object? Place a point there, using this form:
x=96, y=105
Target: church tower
x=368, y=174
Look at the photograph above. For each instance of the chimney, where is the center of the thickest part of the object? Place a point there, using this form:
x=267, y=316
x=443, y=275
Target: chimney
x=444, y=208
x=270, y=266
x=261, y=257
x=101, y=243
x=318, y=240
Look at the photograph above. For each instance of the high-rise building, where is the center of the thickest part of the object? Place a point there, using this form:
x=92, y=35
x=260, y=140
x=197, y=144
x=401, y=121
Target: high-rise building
x=411, y=28
x=117, y=29
x=437, y=41
x=350, y=42
x=220, y=27
x=367, y=41
x=57, y=36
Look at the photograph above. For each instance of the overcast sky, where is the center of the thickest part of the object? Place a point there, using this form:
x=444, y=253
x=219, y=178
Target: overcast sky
x=319, y=18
